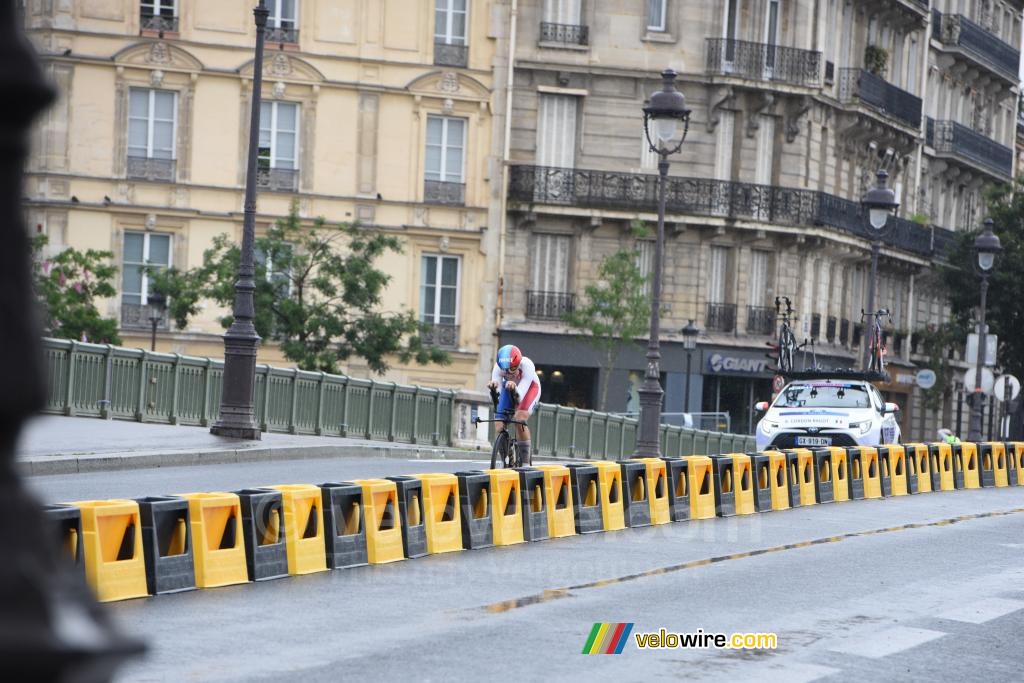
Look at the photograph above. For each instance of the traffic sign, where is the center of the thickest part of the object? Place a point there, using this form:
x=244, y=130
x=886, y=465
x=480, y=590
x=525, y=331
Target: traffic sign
x=1001, y=386
x=778, y=382
x=926, y=378
x=988, y=380
x=991, y=344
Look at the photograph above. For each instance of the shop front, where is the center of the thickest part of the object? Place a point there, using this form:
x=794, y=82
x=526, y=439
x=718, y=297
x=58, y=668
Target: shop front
x=734, y=380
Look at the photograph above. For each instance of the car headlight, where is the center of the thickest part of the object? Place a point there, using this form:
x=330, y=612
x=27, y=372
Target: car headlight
x=769, y=427
x=863, y=427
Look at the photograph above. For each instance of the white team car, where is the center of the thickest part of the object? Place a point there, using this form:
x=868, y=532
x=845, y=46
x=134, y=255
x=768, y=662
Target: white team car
x=825, y=412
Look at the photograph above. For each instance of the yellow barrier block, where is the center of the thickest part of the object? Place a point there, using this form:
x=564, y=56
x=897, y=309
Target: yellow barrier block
x=218, y=546
x=303, y=528
x=805, y=475
x=743, y=475
x=112, y=545
x=917, y=453
x=610, y=476
x=657, y=489
x=702, y=496
x=971, y=466
x=507, y=509
x=898, y=475
x=383, y=522
x=777, y=475
x=1015, y=458
x=872, y=475
x=559, y=492
x=999, y=464
x=945, y=467
x=441, y=512
x=840, y=482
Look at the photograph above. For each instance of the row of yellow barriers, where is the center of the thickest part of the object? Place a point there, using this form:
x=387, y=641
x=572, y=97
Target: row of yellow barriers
x=165, y=544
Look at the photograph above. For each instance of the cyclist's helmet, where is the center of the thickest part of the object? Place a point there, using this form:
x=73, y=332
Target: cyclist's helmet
x=509, y=357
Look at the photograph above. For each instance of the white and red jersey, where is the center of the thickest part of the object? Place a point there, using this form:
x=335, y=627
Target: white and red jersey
x=527, y=382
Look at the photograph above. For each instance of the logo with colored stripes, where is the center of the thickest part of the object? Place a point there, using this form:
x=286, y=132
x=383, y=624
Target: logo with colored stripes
x=607, y=639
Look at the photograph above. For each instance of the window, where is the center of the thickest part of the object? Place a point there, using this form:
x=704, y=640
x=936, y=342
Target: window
x=758, y=277
x=141, y=250
x=443, y=168
x=450, y=22
x=439, y=291
x=563, y=12
x=158, y=8
x=283, y=14
x=549, y=270
x=556, y=131
x=656, y=11
x=648, y=157
x=151, y=122
x=723, y=148
x=719, y=267
x=771, y=32
x=645, y=261
x=279, y=127
x=274, y=274
x=765, y=150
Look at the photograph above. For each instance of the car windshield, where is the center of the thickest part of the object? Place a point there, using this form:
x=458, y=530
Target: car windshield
x=824, y=395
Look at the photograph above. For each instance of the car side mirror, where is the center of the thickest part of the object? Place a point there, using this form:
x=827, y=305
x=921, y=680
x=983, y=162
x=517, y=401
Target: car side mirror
x=761, y=406
x=891, y=408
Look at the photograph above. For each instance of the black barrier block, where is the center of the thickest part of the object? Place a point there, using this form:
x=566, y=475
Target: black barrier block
x=535, y=504
x=855, y=472
x=760, y=464
x=935, y=469
x=266, y=555
x=910, y=462
x=958, y=466
x=986, y=465
x=167, y=544
x=344, y=524
x=1012, y=461
x=885, y=471
x=824, y=487
x=793, y=477
x=724, y=485
x=66, y=522
x=636, y=502
x=586, y=498
x=678, y=472
x=475, y=500
x=410, y=507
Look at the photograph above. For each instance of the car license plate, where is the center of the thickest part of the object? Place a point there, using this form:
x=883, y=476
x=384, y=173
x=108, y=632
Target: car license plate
x=813, y=441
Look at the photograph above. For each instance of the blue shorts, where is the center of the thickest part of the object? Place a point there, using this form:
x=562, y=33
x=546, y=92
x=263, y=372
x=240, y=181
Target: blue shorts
x=528, y=403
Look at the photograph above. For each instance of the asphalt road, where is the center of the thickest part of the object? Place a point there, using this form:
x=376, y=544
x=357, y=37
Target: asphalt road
x=927, y=587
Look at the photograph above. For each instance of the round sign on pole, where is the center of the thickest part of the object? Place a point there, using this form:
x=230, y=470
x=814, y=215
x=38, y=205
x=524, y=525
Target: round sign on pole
x=926, y=378
x=999, y=390
x=778, y=382
x=988, y=380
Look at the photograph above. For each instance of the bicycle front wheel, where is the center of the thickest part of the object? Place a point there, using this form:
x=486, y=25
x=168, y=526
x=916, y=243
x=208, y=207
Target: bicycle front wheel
x=501, y=451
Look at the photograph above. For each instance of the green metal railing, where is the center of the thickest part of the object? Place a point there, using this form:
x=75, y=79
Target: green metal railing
x=132, y=384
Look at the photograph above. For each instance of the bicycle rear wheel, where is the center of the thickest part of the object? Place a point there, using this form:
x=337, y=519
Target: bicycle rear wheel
x=501, y=453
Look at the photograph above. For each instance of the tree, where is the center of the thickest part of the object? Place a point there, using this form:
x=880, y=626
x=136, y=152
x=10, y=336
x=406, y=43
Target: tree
x=318, y=295
x=67, y=286
x=616, y=312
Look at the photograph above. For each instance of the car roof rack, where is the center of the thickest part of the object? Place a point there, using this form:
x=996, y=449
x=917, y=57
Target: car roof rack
x=837, y=373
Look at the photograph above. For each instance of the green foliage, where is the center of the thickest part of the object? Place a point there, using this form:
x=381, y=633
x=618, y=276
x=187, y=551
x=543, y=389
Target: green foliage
x=936, y=342
x=617, y=310
x=876, y=59
x=320, y=299
x=921, y=218
x=67, y=286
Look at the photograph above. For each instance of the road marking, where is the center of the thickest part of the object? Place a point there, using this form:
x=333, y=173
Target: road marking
x=980, y=611
x=556, y=593
x=878, y=644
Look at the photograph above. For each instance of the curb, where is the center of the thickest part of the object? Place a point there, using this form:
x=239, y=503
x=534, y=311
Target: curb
x=110, y=462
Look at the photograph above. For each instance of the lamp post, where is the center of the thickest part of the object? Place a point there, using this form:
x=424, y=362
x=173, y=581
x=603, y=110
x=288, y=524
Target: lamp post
x=879, y=203
x=690, y=333
x=665, y=110
x=237, y=414
x=157, y=305
x=986, y=247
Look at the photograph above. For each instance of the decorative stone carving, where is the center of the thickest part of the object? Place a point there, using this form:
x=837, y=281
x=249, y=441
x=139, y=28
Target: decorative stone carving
x=444, y=244
x=156, y=78
x=278, y=90
x=796, y=110
x=449, y=82
x=719, y=98
x=150, y=221
x=447, y=106
x=159, y=53
x=281, y=65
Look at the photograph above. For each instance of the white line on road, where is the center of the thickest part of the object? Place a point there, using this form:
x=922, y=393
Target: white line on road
x=980, y=611
x=884, y=643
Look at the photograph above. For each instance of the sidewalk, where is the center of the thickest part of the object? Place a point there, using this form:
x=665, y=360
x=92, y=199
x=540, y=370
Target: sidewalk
x=66, y=445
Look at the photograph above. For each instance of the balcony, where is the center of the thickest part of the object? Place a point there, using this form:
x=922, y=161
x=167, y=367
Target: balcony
x=564, y=34
x=721, y=317
x=709, y=198
x=278, y=179
x=878, y=94
x=438, y=192
x=760, y=320
x=957, y=32
x=446, y=54
x=549, y=305
x=150, y=168
x=158, y=24
x=763, y=62
x=137, y=317
x=949, y=138
x=440, y=335
x=282, y=35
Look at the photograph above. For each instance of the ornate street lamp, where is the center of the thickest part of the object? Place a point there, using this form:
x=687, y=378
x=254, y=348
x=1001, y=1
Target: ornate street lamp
x=986, y=247
x=665, y=111
x=237, y=412
x=879, y=204
x=157, y=306
x=690, y=333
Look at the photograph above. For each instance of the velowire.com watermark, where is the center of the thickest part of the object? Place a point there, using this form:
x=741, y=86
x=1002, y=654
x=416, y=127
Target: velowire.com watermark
x=612, y=638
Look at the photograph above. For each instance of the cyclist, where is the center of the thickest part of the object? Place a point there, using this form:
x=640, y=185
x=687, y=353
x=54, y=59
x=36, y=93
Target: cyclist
x=514, y=372
x=947, y=436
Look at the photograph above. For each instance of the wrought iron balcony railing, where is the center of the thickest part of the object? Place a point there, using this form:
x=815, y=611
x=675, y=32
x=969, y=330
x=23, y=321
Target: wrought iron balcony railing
x=282, y=35
x=446, y=54
x=549, y=305
x=707, y=197
x=137, y=317
x=880, y=95
x=150, y=168
x=952, y=138
x=278, y=179
x=440, y=335
x=437, y=192
x=985, y=47
x=721, y=317
x=760, y=320
x=567, y=34
x=156, y=22
x=763, y=62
